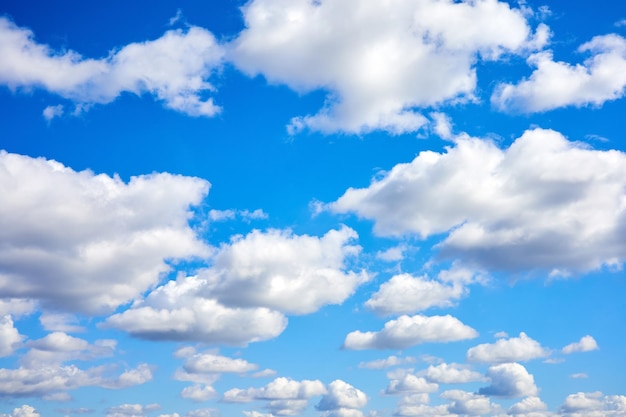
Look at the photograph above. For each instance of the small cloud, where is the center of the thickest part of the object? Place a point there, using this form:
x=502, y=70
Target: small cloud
x=554, y=361
x=580, y=375
x=620, y=23
x=392, y=254
x=595, y=137
x=500, y=335
x=176, y=18
x=51, y=112
x=264, y=373
x=586, y=344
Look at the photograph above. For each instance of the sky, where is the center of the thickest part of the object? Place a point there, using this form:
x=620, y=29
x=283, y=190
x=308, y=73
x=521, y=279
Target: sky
x=319, y=208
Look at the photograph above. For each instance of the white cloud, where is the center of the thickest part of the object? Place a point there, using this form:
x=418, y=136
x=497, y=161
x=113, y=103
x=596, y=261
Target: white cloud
x=450, y=374
x=423, y=410
x=514, y=349
x=585, y=344
x=580, y=375
x=101, y=241
x=174, y=68
x=51, y=112
x=468, y=404
x=23, y=411
x=600, y=78
x=295, y=274
x=342, y=395
x=207, y=362
x=528, y=405
x=17, y=307
x=131, y=410
x=544, y=203
x=284, y=396
x=387, y=362
x=405, y=294
x=60, y=322
x=378, y=61
x=410, y=384
x=408, y=331
x=509, y=380
x=41, y=381
x=198, y=392
x=593, y=404
x=178, y=310
x=393, y=254
x=10, y=337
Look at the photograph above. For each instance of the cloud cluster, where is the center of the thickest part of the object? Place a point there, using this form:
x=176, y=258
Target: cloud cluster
x=283, y=396
x=101, y=241
x=174, y=68
x=408, y=331
x=602, y=77
x=592, y=404
x=342, y=400
x=451, y=374
x=543, y=203
x=254, y=280
x=378, y=61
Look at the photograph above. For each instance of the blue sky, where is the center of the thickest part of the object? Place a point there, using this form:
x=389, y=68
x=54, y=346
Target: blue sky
x=312, y=208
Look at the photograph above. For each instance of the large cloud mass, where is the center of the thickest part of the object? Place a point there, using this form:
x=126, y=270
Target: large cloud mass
x=543, y=203
x=174, y=68
x=378, y=60
x=83, y=242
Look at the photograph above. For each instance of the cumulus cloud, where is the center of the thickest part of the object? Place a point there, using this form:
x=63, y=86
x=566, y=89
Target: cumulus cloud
x=514, y=349
x=387, y=362
x=451, y=374
x=284, y=396
x=17, y=307
x=101, y=241
x=23, y=411
x=509, y=380
x=408, y=331
x=178, y=311
x=61, y=322
x=405, y=294
x=342, y=400
x=198, y=392
x=42, y=381
x=296, y=274
x=410, y=383
x=592, y=404
x=212, y=363
x=378, y=61
x=10, y=337
x=553, y=84
x=467, y=403
x=527, y=406
x=175, y=69
x=585, y=344
x=545, y=203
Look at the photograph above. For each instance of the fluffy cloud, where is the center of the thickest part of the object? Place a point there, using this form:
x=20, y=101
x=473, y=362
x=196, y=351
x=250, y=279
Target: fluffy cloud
x=408, y=331
x=10, y=337
x=342, y=400
x=593, y=404
x=450, y=374
x=284, y=396
x=514, y=349
x=509, y=380
x=58, y=347
x=100, y=240
x=211, y=363
x=198, y=392
x=586, y=344
x=42, y=381
x=544, y=203
x=295, y=274
x=174, y=68
x=528, y=405
x=177, y=310
x=387, y=362
x=410, y=384
x=469, y=404
x=600, y=78
x=378, y=61
x=405, y=294
x=23, y=411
